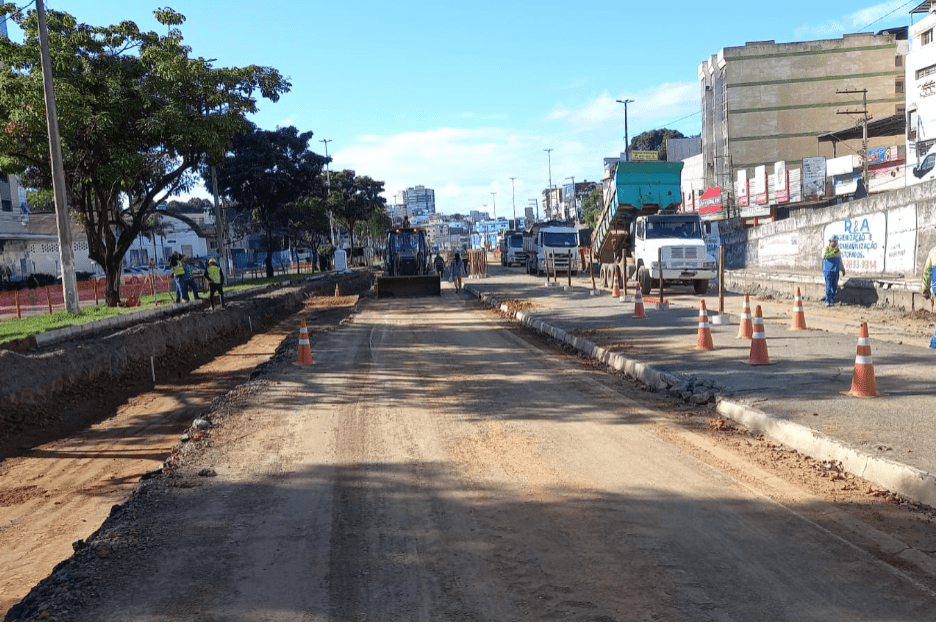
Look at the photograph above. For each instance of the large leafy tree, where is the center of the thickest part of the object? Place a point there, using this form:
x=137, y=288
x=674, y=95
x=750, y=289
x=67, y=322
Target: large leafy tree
x=591, y=207
x=354, y=199
x=268, y=172
x=655, y=140
x=137, y=115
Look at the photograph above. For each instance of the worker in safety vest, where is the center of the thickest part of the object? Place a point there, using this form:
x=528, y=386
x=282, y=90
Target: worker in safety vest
x=215, y=278
x=178, y=275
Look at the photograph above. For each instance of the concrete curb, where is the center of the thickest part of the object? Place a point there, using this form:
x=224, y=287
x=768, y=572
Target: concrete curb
x=907, y=481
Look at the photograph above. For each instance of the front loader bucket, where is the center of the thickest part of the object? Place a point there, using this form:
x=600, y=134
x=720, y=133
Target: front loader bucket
x=409, y=286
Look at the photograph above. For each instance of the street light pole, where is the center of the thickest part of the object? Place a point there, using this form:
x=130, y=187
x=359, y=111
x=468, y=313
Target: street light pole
x=513, y=193
x=626, y=139
x=574, y=211
x=331, y=219
x=549, y=192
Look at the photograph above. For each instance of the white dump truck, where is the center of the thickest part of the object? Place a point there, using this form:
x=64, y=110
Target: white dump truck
x=678, y=241
x=551, y=247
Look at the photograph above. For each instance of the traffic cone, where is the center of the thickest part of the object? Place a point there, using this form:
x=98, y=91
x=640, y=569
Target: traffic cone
x=617, y=286
x=745, y=329
x=305, y=351
x=337, y=291
x=758, y=341
x=863, y=384
x=704, y=342
x=799, y=319
x=638, y=305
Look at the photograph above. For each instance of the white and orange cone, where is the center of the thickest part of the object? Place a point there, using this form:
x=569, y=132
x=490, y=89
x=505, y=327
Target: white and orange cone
x=745, y=329
x=758, y=355
x=616, y=293
x=799, y=318
x=704, y=341
x=337, y=290
x=305, y=351
x=863, y=383
x=638, y=305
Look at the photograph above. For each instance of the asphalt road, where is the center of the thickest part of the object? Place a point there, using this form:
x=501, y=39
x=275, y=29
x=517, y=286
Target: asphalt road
x=434, y=465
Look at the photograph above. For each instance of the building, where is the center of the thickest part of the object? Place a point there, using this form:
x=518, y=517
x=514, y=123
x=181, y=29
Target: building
x=920, y=79
x=766, y=102
x=419, y=200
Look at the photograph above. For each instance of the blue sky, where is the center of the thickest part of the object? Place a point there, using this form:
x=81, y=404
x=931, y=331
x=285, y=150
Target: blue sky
x=462, y=96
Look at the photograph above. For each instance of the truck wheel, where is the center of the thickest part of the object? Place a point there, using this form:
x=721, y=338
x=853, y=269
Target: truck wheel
x=700, y=286
x=643, y=279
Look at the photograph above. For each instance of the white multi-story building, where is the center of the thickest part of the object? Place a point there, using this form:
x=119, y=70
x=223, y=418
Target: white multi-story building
x=920, y=67
x=419, y=200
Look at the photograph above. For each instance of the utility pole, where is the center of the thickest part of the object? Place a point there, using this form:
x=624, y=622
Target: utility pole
x=626, y=138
x=549, y=192
x=574, y=214
x=865, y=118
x=331, y=217
x=513, y=192
x=494, y=204
x=221, y=226
x=62, y=221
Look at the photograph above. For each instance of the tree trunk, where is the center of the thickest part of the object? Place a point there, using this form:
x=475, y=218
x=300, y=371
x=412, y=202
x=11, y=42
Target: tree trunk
x=112, y=276
x=269, y=256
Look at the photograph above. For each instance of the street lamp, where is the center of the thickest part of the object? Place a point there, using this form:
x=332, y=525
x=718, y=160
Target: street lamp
x=626, y=139
x=548, y=204
x=331, y=222
x=574, y=211
x=513, y=193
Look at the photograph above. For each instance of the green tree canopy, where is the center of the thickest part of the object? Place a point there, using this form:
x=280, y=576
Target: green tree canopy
x=354, y=199
x=591, y=207
x=268, y=172
x=655, y=140
x=136, y=114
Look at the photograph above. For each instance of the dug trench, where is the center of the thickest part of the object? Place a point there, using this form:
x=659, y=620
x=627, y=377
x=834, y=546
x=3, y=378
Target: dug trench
x=82, y=422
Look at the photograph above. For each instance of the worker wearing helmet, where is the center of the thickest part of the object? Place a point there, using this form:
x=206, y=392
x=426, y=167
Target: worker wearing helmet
x=831, y=266
x=215, y=278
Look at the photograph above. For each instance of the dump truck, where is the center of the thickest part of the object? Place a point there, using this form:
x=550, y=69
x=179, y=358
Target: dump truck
x=408, y=270
x=639, y=222
x=511, y=249
x=550, y=247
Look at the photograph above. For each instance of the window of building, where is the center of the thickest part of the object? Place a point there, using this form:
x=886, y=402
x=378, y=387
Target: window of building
x=7, y=205
x=926, y=71
x=898, y=60
x=899, y=85
x=924, y=146
x=927, y=37
x=900, y=110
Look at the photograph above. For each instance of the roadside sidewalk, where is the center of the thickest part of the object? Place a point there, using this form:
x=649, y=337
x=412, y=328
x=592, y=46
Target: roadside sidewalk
x=799, y=399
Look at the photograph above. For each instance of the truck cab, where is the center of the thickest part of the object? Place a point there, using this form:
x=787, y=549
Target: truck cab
x=678, y=242
x=551, y=248
x=512, y=249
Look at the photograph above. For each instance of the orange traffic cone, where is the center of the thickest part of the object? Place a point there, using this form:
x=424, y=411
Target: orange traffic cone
x=758, y=341
x=617, y=286
x=337, y=291
x=799, y=319
x=638, y=305
x=745, y=329
x=863, y=384
x=305, y=351
x=704, y=342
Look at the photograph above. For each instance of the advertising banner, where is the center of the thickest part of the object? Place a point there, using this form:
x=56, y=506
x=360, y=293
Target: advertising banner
x=862, y=241
x=781, y=183
x=761, y=191
x=711, y=201
x=814, y=175
x=743, y=189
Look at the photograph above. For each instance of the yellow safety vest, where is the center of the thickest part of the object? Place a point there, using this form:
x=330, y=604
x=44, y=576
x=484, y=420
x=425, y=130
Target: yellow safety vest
x=214, y=273
x=178, y=269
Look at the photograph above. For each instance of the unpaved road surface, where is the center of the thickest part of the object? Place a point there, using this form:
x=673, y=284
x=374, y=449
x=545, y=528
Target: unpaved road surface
x=433, y=465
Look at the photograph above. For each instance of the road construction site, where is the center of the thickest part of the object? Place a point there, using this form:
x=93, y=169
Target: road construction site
x=441, y=461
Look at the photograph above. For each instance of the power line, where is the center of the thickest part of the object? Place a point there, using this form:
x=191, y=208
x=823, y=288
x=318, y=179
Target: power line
x=888, y=14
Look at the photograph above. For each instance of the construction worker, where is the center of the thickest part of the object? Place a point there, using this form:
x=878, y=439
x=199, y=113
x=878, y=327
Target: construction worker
x=178, y=275
x=215, y=278
x=831, y=266
x=929, y=283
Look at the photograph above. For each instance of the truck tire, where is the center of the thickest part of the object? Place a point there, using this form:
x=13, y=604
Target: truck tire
x=700, y=286
x=643, y=279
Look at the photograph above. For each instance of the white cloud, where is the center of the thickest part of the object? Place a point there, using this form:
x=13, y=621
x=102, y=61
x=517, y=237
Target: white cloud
x=651, y=107
x=874, y=18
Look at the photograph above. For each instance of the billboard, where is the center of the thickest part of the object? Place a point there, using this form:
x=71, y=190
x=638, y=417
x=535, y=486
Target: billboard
x=742, y=189
x=814, y=175
x=761, y=194
x=781, y=182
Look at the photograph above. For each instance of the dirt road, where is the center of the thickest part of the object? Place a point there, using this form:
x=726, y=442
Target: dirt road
x=433, y=466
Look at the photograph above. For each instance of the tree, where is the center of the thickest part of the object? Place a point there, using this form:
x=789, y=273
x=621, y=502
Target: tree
x=136, y=114
x=268, y=172
x=354, y=199
x=655, y=140
x=592, y=206
x=40, y=200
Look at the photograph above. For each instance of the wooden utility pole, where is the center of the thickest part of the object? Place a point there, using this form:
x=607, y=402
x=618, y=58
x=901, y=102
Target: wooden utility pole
x=63, y=223
x=865, y=118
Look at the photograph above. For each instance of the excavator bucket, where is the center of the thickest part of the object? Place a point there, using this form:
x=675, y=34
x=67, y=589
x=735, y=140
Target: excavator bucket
x=409, y=286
